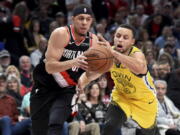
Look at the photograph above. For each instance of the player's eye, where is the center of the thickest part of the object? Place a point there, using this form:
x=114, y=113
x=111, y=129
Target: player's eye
x=118, y=35
x=81, y=18
x=125, y=37
x=88, y=19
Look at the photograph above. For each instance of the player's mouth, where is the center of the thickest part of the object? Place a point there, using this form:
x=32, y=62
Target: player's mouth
x=119, y=47
x=83, y=29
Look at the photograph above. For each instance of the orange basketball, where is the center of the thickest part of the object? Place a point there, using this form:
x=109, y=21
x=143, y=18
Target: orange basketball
x=99, y=59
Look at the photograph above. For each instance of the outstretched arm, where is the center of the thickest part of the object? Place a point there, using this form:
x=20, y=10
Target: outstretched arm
x=136, y=62
x=86, y=78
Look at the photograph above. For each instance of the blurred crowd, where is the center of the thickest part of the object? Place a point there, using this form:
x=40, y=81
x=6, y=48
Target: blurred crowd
x=25, y=27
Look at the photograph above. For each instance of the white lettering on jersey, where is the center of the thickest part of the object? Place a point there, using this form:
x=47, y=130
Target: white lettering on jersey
x=71, y=54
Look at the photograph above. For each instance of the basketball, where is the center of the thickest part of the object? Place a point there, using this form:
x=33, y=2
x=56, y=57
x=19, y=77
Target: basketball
x=99, y=59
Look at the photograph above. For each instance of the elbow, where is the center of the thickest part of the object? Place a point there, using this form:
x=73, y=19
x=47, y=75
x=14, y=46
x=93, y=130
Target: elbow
x=48, y=68
x=142, y=69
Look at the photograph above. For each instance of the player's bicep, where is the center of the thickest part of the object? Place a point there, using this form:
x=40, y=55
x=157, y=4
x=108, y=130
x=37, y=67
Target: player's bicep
x=56, y=45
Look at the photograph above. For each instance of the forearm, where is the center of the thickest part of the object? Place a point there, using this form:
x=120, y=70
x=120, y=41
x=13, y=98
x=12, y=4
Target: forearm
x=87, y=77
x=58, y=66
x=83, y=81
x=135, y=65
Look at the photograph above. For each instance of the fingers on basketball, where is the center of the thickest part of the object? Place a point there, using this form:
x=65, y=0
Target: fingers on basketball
x=99, y=59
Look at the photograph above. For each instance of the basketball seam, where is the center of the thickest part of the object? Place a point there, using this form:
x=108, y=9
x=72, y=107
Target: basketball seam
x=100, y=58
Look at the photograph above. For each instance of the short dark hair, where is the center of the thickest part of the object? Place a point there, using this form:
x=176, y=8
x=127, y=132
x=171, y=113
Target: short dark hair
x=130, y=27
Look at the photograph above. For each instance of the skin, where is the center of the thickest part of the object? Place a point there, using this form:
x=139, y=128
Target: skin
x=123, y=41
x=161, y=91
x=94, y=92
x=25, y=63
x=60, y=38
x=13, y=85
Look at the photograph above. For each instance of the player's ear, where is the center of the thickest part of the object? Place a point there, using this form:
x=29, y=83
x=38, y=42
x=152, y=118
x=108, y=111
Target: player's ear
x=72, y=18
x=133, y=41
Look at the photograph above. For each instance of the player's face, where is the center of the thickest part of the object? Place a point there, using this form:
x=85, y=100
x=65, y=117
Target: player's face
x=123, y=40
x=82, y=23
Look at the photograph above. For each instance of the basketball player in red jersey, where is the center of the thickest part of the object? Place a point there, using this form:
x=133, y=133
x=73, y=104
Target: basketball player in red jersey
x=57, y=74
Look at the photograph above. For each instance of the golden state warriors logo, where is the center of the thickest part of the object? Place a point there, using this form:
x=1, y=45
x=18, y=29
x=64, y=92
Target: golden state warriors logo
x=124, y=83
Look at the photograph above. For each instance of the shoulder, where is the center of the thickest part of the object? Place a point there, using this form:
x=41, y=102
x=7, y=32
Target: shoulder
x=59, y=36
x=9, y=98
x=60, y=31
x=136, y=52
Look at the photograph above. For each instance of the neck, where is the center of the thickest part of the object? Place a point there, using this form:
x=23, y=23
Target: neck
x=128, y=51
x=94, y=100
x=78, y=37
x=161, y=100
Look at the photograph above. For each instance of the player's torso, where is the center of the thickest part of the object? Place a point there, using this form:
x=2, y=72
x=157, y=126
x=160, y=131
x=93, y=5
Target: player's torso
x=127, y=84
x=73, y=50
x=69, y=77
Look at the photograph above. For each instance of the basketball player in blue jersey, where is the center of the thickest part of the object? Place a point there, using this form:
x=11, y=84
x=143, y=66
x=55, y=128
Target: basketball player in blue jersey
x=57, y=74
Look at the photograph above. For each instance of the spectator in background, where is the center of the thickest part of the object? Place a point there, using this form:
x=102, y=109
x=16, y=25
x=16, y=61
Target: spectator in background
x=176, y=30
x=160, y=41
x=13, y=89
x=25, y=106
x=141, y=16
x=163, y=69
x=143, y=35
x=150, y=58
x=99, y=8
x=4, y=19
x=154, y=26
x=12, y=70
x=167, y=58
x=133, y=21
x=60, y=19
x=173, y=40
x=168, y=120
x=53, y=25
x=167, y=13
x=44, y=19
x=25, y=67
x=154, y=71
x=70, y=4
x=15, y=39
x=147, y=46
x=79, y=126
x=100, y=29
x=173, y=52
x=34, y=35
x=5, y=59
x=115, y=5
x=105, y=91
x=10, y=121
x=37, y=54
x=173, y=92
